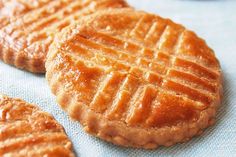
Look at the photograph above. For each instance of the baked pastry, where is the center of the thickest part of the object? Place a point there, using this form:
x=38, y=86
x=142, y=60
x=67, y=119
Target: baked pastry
x=135, y=79
x=27, y=131
x=27, y=27
x=15, y=8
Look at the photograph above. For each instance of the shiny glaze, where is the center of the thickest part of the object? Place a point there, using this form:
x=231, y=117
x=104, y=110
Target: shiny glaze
x=151, y=71
x=27, y=131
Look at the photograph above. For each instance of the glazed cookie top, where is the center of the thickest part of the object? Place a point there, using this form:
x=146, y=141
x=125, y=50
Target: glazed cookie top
x=135, y=68
x=25, y=130
x=27, y=31
x=10, y=10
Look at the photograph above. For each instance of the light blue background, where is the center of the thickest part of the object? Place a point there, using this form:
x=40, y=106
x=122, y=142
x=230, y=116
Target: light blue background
x=214, y=21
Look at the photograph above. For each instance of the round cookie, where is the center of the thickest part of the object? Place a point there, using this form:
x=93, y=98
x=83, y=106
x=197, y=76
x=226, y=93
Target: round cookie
x=27, y=28
x=25, y=130
x=135, y=79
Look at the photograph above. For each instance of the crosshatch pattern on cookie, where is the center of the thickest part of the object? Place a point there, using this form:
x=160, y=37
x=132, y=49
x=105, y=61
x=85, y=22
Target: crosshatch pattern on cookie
x=27, y=34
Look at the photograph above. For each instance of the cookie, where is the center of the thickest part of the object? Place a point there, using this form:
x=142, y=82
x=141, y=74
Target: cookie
x=27, y=131
x=135, y=79
x=15, y=8
x=27, y=27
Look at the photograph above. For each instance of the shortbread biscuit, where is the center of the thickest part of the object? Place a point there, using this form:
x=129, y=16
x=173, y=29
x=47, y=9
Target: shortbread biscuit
x=26, y=131
x=15, y=8
x=135, y=79
x=28, y=26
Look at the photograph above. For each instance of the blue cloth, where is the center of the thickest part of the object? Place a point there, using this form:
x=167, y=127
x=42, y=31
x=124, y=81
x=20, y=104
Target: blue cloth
x=214, y=21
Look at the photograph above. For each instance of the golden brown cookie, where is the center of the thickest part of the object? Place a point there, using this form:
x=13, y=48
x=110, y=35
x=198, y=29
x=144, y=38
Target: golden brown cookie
x=15, y=8
x=27, y=27
x=135, y=79
x=26, y=131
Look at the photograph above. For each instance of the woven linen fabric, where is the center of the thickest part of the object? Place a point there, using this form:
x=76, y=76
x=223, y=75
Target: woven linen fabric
x=213, y=20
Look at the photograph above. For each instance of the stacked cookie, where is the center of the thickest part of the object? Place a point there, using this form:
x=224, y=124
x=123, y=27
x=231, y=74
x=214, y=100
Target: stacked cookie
x=129, y=77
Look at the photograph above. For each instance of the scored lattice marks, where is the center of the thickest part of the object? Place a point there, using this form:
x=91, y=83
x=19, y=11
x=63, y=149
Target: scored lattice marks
x=150, y=30
x=35, y=29
x=41, y=18
x=130, y=48
x=11, y=10
x=24, y=129
x=87, y=49
x=164, y=32
x=54, y=15
x=122, y=55
x=172, y=59
x=134, y=80
x=147, y=53
x=142, y=31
